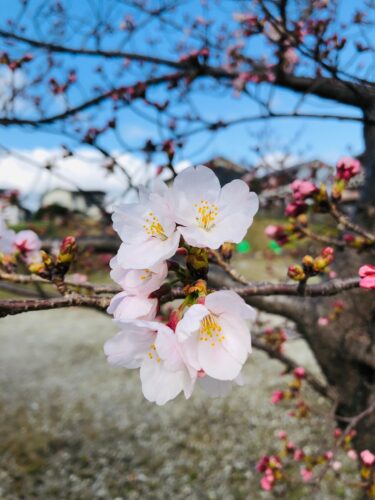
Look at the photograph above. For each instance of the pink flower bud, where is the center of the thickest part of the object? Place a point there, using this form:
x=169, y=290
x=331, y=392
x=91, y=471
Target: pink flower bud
x=266, y=483
x=352, y=454
x=347, y=168
x=367, y=458
x=328, y=455
x=303, y=189
x=299, y=372
x=323, y=321
x=298, y=455
x=295, y=208
x=328, y=252
x=282, y=435
x=306, y=474
x=336, y=465
x=367, y=275
x=262, y=463
x=277, y=396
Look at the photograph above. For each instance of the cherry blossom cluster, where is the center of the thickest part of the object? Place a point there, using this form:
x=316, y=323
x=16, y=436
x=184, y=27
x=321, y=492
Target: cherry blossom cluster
x=293, y=391
x=279, y=467
x=24, y=244
x=275, y=338
x=206, y=338
x=311, y=266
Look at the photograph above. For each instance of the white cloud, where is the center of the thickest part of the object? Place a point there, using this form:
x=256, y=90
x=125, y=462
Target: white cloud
x=82, y=171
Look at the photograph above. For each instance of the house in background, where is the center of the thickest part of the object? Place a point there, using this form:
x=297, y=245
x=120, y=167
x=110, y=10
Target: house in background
x=275, y=185
x=85, y=202
x=11, y=209
x=226, y=170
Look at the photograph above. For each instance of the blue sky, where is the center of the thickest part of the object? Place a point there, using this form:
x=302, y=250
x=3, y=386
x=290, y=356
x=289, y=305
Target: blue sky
x=307, y=138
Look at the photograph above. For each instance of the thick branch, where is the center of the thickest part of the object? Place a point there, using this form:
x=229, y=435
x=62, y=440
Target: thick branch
x=331, y=287
x=12, y=307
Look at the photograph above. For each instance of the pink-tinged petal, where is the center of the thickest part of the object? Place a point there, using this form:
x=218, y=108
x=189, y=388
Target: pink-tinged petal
x=368, y=282
x=366, y=270
x=266, y=483
x=129, y=347
x=27, y=241
x=367, y=458
x=306, y=474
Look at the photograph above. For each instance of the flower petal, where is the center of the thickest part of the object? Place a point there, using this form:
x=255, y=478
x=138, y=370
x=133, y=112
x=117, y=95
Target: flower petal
x=148, y=253
x=129, y=347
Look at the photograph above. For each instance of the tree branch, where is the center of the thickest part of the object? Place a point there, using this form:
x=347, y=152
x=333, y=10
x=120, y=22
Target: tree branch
x=12, y=307
x=290, y=364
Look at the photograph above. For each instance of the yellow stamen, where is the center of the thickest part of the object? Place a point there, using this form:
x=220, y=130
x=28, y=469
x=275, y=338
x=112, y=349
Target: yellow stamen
x=210, y=330
x=153, y=227
x=206, y=214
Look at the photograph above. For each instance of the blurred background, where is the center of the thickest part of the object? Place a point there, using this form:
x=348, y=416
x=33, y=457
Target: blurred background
x=99, y=97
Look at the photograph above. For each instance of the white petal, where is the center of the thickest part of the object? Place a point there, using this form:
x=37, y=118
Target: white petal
x=129, y=347
x=227, y=301
x=237, y=207
x=128, y=307
x=217, y=362
x=158, y=384
x=237, y=340
x=168, y=348
x=198, y=237
x=191, y=321
x=191, y=186
x=128, y=221
x=139, y=282
x=148, y=253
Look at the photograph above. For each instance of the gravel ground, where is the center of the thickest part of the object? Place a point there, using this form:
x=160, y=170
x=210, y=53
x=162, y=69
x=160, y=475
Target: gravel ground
x=73, y=427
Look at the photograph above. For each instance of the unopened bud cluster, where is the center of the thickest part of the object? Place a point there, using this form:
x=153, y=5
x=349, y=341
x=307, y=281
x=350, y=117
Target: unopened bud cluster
x=311, y=266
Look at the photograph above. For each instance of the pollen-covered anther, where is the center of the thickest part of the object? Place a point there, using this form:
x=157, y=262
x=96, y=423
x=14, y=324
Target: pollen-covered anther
x=210, y=330
x=206, y=214
x=153, y=227
x=153, y=352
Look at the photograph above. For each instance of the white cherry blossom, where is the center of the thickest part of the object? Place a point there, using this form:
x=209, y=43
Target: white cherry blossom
x=139, y=282
x=211, y=215
x=215, y=337
x=147, y=228
x=125, y=307
x=152, y=347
